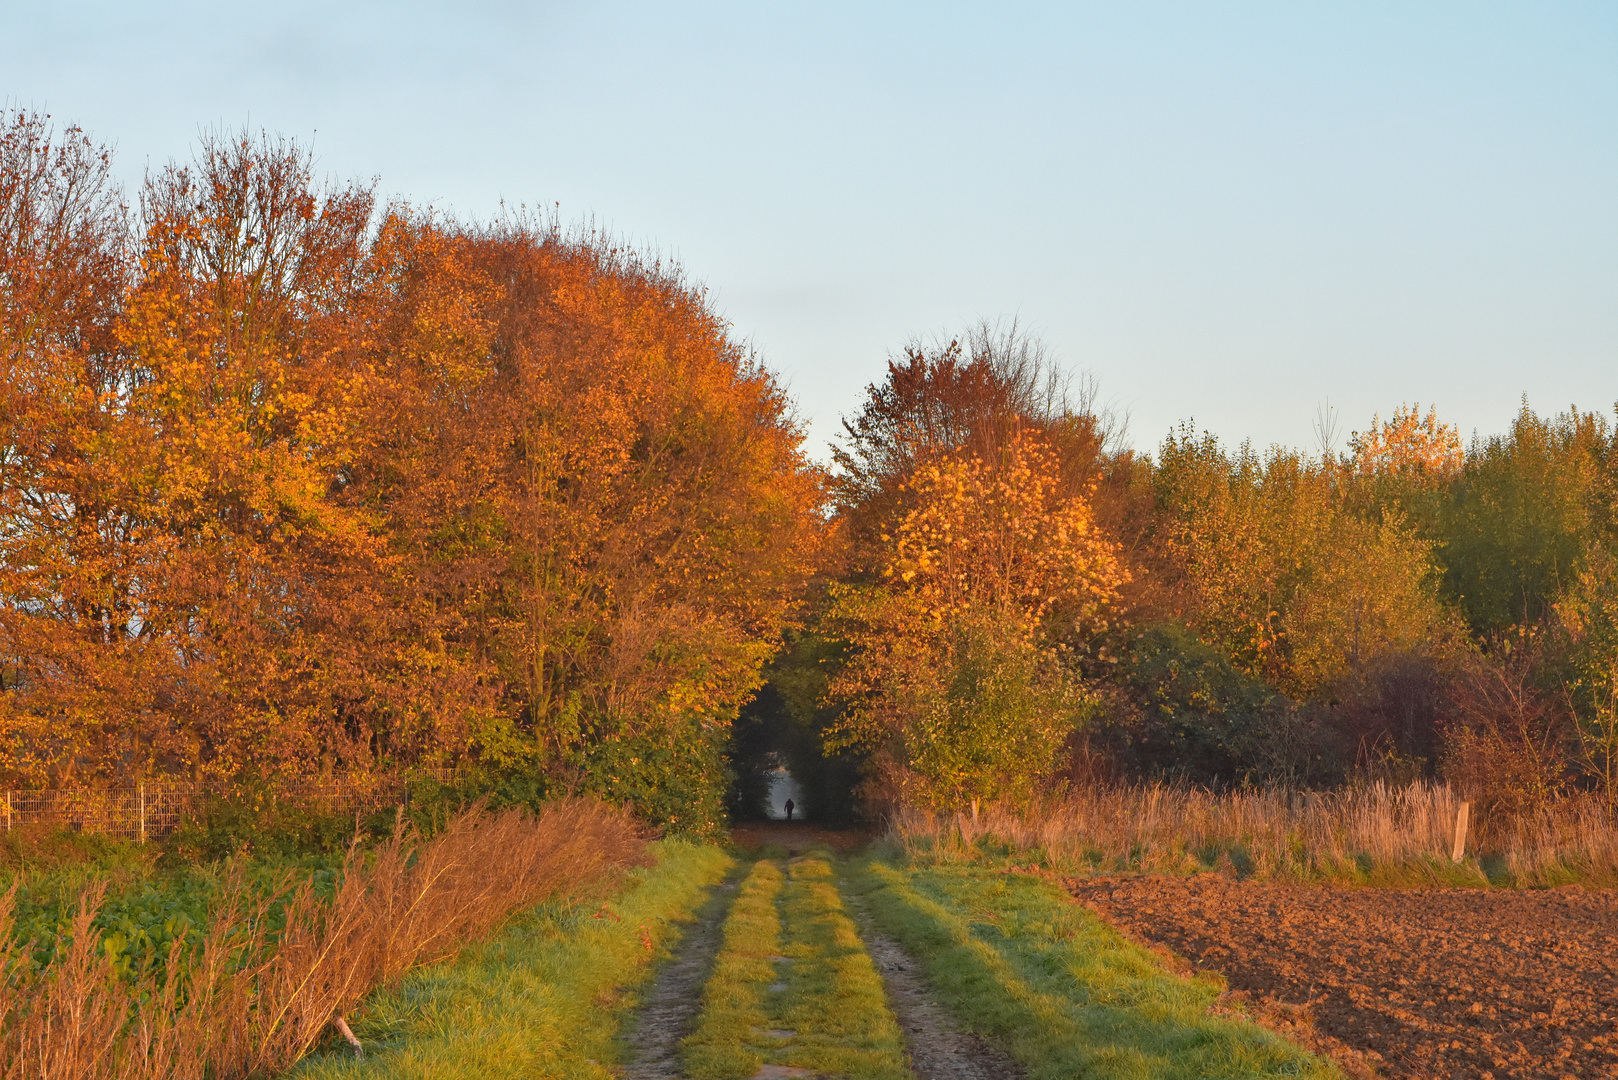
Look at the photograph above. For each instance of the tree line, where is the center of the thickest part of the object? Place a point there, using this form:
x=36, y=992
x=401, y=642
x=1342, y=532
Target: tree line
x=296, y=483
x=292, y=482
x=1024, y=601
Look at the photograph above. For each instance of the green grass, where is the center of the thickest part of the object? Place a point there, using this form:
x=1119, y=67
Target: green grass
x=834, y=998
x=546, y=997
x=728, y=1041
x=1022, y=965
x=793, y=985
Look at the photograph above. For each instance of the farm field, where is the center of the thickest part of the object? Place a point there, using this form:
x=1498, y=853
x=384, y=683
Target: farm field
x=1413, y=983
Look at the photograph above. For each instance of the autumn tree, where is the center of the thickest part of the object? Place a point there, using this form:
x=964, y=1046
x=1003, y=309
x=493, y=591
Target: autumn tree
x=289, y=489
x=607, y=491
x=71, y=562
x=1409, y=445
x=962, y=681
x=188, y=590
x=1280, y=576
x=970, y=394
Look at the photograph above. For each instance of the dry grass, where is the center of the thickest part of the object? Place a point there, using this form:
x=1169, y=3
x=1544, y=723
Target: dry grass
x=1376, y=834
x=272, y=973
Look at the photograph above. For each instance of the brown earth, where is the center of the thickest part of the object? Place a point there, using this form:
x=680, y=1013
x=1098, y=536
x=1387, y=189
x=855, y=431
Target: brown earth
x=796, y=836
x=1415, y=983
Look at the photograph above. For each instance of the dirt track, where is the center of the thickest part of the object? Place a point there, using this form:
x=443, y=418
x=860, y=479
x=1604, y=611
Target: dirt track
x=1422, y=983
x=935, y=1045
x=671, y=1003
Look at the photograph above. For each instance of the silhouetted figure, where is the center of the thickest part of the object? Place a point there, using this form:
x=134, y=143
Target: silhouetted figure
x=789, y=809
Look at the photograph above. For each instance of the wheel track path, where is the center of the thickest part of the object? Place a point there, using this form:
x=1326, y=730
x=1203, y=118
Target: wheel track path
x=670, y=1007
x=938, y=1048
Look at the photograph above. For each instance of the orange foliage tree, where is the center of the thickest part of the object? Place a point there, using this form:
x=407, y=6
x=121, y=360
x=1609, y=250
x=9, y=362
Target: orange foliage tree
x=284, y=492
x=1409, y=444
x=962, y=681
x=186, y=590
x=606, y=495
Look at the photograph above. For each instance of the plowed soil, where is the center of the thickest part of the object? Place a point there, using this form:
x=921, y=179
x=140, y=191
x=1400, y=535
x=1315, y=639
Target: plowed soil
x=1413, y=983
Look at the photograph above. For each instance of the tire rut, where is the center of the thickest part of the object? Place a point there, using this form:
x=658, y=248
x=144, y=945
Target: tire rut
x=668, y=1012
x=938, y=1048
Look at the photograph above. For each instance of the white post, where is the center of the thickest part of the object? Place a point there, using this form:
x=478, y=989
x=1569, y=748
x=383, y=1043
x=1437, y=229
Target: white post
x=1460, y=831
x=143, y=811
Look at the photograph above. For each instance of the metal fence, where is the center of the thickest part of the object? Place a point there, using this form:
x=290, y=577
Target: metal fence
x=149, y=811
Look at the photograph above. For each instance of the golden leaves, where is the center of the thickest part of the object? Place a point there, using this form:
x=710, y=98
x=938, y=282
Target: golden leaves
x=1409, y=444
x=1005, y=536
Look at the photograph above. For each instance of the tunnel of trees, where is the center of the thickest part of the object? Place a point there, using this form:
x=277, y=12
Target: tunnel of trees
x=783, y=726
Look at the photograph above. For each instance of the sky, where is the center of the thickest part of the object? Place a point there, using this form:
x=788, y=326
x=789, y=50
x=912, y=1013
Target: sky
x=1234, y=214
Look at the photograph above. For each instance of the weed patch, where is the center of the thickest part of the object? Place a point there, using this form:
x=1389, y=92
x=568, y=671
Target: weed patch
x=258, y=987
x=1374, y=835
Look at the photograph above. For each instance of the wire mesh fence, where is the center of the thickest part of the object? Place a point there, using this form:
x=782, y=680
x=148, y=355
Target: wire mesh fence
x=150, y=811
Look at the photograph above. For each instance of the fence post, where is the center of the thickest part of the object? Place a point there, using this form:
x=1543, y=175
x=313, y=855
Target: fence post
x=1460, y=832
x=8, y=811
x=143, y=811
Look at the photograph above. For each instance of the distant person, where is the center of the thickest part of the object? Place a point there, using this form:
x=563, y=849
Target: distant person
x=789, y=809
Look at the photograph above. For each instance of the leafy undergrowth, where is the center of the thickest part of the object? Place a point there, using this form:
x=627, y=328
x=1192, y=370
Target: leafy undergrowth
x=545, y=997
x=1020, y=964
x=145, y=912
x=793, y=985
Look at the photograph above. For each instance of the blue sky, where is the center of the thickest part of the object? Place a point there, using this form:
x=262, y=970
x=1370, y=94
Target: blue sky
x=1232, y=213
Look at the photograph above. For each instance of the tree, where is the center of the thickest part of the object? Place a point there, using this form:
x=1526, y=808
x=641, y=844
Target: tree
x=961, y=679
x=1409, y=446
x=1588, y=614
x=282, y=493
x=1280, y=575
x=185, y=588
x=972, y=395
x=606, y=491
x=71, y=561
x=1522, y=516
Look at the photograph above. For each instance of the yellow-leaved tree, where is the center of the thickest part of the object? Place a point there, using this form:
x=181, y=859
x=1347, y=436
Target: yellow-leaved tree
x=962, y=683
x=1280, y=575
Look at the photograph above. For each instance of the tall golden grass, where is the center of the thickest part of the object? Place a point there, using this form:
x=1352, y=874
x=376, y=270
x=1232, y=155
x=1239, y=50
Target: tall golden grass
x=1375, y=833
x=250, y=999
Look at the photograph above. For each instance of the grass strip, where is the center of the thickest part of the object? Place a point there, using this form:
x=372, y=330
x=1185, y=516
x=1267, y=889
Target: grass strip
x=793, y=985
x=545, y=997
x=834, y=999
x=728, y=1043
x=1018, y=962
